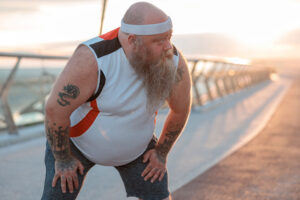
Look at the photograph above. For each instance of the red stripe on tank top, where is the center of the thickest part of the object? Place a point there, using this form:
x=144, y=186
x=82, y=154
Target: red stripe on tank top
x=110, y=35
x=86, y=122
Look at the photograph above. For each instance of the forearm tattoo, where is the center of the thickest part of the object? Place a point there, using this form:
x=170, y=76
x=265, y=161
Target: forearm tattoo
x=69, y=92
x=58, y=138
x=170, y=137
x=179, y=75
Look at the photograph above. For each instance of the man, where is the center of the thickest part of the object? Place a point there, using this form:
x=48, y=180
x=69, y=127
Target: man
x=102, y=107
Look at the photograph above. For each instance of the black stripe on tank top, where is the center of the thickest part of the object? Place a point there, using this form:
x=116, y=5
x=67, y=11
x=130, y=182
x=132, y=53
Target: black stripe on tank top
x=105, y=47
x=101, y=85
x=175, y=52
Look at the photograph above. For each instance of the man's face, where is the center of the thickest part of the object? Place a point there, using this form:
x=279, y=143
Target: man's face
x=154, y=46
x=152, y=60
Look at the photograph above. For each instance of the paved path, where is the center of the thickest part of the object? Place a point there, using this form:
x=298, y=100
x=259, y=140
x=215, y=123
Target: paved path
x=267, y=168
x=213, y=132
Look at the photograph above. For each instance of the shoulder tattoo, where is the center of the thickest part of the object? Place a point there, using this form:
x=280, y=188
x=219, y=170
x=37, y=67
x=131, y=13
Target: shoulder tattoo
x=69, y=92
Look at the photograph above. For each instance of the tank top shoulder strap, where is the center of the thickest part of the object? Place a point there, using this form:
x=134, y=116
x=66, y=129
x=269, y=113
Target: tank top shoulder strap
x=175, y=56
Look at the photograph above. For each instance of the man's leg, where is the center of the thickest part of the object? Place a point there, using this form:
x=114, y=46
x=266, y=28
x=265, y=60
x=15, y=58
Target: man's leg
x=55, y=193
x=134, y=183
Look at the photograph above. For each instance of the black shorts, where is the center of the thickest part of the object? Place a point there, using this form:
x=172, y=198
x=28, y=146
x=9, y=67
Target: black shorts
x=134, y=183
x=130, y=173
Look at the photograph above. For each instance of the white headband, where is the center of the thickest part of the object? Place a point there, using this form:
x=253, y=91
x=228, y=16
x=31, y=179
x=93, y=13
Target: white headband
x=148, y=29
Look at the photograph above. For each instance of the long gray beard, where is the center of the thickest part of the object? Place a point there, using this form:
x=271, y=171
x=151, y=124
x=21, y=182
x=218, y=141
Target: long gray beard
x=158, y=78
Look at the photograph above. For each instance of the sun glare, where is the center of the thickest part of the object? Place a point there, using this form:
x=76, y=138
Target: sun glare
x=274, y=77
x=256, y=23
x=239, y=61
x=52, y=23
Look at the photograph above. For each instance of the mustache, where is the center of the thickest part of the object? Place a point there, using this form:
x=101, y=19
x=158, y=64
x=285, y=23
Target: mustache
x=167, y=55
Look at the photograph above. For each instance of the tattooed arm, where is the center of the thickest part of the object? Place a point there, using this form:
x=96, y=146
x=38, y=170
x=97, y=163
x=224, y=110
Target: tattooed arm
x=74, y=86
x=180, y=106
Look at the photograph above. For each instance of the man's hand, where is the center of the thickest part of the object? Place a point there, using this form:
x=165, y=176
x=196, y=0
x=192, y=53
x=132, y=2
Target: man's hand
x=66, y=170
x=156, y=167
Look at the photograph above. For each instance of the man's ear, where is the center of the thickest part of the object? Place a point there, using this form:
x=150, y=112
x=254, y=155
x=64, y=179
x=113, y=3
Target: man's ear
x=132, y=39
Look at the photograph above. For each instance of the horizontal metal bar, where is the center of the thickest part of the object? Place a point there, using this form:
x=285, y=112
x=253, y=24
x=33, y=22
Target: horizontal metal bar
x=38, y=56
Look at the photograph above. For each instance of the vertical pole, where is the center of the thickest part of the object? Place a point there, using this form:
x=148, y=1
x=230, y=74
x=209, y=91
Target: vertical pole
x=102, y=16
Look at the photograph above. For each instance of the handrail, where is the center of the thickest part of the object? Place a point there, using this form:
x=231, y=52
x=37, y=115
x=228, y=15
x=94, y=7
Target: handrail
x=217, y=77
x=28, y=55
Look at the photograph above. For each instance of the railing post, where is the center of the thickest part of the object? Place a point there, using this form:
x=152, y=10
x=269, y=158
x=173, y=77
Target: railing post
x=207, y=80
x=231, y=74
x=8, y=117
x=225, y=78
x=218, y=78
x=238, y=77
x=195, y=80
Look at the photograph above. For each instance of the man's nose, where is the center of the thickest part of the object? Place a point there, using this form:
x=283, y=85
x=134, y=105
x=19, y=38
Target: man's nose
x=168, y=45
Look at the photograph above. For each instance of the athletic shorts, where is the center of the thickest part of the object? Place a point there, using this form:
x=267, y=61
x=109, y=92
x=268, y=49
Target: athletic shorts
x=130, y=173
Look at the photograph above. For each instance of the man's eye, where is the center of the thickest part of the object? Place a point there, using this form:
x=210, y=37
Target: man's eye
x=161, y=41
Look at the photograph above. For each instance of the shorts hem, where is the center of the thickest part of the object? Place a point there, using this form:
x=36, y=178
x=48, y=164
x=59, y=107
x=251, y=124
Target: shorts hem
x=152, y=197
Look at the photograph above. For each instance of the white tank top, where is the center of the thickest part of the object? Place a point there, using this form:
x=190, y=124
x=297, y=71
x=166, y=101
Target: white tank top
x=113, y=128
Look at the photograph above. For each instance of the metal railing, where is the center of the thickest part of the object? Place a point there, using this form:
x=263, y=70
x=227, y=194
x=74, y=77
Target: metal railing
x=211, y=79
x=221, y=78
x=8, y=115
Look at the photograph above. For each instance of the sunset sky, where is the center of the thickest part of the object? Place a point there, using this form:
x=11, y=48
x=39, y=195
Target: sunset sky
x=267, y=28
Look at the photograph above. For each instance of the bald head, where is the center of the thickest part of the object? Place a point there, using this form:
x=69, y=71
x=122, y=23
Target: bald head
x=142, y=13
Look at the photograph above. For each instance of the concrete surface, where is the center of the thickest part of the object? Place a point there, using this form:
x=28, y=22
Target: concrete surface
x=267, y=168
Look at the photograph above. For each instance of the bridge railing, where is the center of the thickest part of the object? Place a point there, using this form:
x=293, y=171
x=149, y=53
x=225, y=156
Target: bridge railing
x=211, y=79
x=214, y=79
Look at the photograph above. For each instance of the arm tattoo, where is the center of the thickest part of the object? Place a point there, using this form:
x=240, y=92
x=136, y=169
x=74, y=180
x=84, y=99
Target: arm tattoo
x=179, y=75
x=58, y=138
x=70, y=92
x=171, y=135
